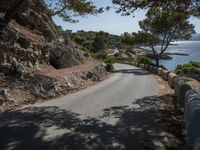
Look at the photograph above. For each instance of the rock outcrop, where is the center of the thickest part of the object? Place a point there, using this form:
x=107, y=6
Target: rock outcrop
x=41, y=86
x=30, y=42
x=33, y=39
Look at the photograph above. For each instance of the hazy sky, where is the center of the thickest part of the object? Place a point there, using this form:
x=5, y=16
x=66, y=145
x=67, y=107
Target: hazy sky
x=110, y=21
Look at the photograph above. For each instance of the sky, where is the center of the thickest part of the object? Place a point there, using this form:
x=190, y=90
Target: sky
x=110, y=21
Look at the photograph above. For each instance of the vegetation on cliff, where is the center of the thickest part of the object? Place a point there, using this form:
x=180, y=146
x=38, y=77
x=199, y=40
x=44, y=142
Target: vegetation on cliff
x=191, y=70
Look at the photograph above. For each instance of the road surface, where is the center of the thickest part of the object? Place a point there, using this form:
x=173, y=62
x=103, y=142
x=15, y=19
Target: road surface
x=106, y=116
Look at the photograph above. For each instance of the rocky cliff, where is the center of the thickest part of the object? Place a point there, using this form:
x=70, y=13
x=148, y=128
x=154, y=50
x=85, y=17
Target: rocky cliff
x=36, y=63
x=32, y=39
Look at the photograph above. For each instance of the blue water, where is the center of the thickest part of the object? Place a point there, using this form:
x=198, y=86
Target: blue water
x=187, y=47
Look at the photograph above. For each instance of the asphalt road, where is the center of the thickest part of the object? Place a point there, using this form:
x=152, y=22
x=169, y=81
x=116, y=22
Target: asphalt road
x=100, y=117
x=127, y=83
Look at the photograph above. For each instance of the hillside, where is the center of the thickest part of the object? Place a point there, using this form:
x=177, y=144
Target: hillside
x=34, y=59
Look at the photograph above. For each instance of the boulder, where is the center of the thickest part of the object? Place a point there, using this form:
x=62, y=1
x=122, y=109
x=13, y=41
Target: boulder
x=8, y=36
x=6, y=69
x=141, y=65
x=63, y=57
x=155, y=69
x=171, y=79
x=93, y=76
x=165, y=74
x=17, y=69
x=151, y=68
x=146, y=67
x=192, y=115
x=24, y=43
x=160, y=71
x=5, y=94
x=181, y=87
x=41, y=85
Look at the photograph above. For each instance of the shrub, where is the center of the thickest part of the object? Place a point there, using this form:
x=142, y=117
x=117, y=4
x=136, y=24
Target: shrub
x=144, y=60
x=188, y=69
x=178, y=71
x=122, y=59
x=196, y=64
x=110, y=60
x=100, y=55
x=109, y=67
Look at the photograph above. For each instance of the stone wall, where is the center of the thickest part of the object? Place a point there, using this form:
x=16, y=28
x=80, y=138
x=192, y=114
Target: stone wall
x=187, y=98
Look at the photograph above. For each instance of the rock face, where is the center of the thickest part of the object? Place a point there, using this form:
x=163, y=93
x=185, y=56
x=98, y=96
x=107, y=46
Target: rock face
x=32, y=39
x=61, y=57
x=38, y=87
x=29, y=42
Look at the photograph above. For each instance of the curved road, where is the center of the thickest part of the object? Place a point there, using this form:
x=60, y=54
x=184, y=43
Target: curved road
x=99, y=117
x=126, y=85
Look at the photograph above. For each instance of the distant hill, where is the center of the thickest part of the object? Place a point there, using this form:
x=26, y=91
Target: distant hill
x=195, y=37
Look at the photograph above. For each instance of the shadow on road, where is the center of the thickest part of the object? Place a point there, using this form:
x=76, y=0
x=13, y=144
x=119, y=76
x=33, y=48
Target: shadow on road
x=151, y=123
x=132, y=71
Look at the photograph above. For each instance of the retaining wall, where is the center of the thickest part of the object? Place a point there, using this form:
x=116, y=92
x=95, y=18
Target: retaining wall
x=187, y=98
x=171, y=79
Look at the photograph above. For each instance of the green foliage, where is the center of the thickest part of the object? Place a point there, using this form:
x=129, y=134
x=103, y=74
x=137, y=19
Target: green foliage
x=79, y=40
x=127, y=39
x=161, y=27
x=71, y=9
x=122, y=59
x=188, y=69
x=114, y=59
x=110, y=59
x=144, y=60
x=86, y=39
x=166, y=20
x=196, y=64
x=99, y=43
x=109, y=67
x=100, y=55
x=128, y=7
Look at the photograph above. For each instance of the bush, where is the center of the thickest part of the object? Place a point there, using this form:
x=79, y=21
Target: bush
x=122, y=59
x=144, y=60
x=109, y=67
x=196, y=64
x=178, y=71
x=100, y=55
x=110, y=60
x=188, y=69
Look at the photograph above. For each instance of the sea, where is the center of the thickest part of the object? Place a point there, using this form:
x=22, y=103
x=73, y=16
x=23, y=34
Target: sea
x=192, y=48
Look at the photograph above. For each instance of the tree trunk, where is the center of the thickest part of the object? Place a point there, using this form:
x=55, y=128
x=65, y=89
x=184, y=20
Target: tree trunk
x=157, y=61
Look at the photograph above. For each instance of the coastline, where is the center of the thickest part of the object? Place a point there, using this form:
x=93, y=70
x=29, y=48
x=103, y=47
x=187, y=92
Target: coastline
x=182, y=53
